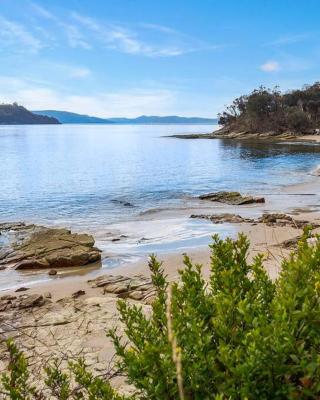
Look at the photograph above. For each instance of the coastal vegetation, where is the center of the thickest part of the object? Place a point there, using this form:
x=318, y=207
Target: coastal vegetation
x=271, y=111
x=13, y=114
x=236, y=335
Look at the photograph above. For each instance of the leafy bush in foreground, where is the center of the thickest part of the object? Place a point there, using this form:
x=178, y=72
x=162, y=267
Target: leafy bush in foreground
x=237, y=335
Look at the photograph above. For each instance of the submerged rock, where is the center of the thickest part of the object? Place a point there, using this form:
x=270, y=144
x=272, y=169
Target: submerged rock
x=232, y=198
x=122, y=202
x=37, y=247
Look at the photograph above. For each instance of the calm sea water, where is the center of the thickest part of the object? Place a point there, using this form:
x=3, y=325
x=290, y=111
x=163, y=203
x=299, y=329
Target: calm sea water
x=75, y=172
x=82, y=175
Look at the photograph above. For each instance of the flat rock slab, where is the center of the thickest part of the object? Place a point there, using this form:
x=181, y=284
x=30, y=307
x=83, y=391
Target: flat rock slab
x=232, y=198
x=222, y=218
x=38, y=247
x=137, y=287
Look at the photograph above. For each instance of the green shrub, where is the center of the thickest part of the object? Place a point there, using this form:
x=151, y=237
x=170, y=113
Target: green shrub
x=237, y=335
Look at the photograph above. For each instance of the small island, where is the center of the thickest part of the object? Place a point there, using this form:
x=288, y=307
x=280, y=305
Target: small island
x=268, y=113
x=14, y=114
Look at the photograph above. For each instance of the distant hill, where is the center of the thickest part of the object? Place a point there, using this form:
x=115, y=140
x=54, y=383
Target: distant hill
x=66, y=117
x=13, y=114
x=172, y=119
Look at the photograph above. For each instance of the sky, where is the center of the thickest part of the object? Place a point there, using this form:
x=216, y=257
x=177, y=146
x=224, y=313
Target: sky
x=125, y=58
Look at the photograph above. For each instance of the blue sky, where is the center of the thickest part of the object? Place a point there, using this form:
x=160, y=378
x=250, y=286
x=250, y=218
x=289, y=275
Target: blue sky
x=133, y=57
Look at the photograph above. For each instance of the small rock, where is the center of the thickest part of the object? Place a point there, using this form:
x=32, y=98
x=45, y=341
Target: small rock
x=78, y=293
x=22, y=289
x=136, y=295
x=33, y=300
x=289, y=243
x=52, y=272
x=47, y=295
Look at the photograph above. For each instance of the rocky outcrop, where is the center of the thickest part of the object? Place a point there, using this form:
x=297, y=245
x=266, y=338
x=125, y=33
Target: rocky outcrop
x=232, y=198
x=279, y=219
x=21, y=302
x=37, y=247
x=222, y=218
x=273, y=219
x=226, y=133
x=137, y=287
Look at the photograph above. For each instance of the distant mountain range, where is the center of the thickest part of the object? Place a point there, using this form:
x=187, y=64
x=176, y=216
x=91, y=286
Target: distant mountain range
x=13, y=114
x=66, y=117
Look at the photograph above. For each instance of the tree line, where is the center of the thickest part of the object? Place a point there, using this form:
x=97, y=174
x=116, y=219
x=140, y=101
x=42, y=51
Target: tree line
x=270, y=110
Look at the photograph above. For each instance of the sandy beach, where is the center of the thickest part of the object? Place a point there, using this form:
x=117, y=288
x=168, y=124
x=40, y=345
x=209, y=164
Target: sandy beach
x=74, y=321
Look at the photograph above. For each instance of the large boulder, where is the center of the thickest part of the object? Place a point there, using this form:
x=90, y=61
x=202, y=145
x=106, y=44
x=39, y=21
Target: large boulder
x=35, y=247
x=233, y=198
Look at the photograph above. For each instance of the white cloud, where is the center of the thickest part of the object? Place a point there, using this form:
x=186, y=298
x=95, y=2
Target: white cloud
x=15, y=35
x=270, y=66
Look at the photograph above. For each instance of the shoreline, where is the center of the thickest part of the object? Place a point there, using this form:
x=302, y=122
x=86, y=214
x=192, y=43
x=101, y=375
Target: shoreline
x=263, y=239
x=225, y=135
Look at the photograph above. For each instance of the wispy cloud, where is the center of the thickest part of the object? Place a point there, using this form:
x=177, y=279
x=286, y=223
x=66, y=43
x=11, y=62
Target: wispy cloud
x=270, y=66
x=17, y=36
x=43, y=12
x=75, y=38
x=85, y=32
x=123, y=39
x=289, y=39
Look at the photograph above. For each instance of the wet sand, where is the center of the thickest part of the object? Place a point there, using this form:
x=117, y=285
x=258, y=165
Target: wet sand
x=263, y=239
